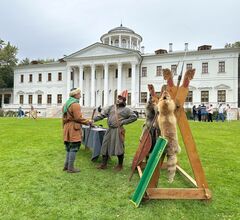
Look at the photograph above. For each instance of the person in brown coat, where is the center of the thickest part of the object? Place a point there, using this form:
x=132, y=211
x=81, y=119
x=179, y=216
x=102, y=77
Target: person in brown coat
x=72, y=129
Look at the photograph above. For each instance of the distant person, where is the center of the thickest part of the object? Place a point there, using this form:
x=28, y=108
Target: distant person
x=99, y=109
x=203, y=112
x=210, y=113
x=20, y=112
x=199, y=112
x=194, y=112
x=220, y=113
x=228, y=111
x=32, y=113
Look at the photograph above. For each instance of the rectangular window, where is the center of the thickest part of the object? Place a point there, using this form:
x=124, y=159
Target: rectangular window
x=40, y=77
x=71, y=75
x=21, y=99
x=129, y=99
x=189, y=97
x=174, y=69
x=144, y=71
x=116, y=73
x=39, y=100
x=204, y=67
x=143, y=97
x=103, y=74
x=30, y=77
x=204, y=96
x=83, y=99
x=22, y=78
x=49, y=76
x=159, y=71
x=221, y=67
x=59, y=98
x=189, y=66
x=83, y=76
x=221, y=95
x=59, y=76
x=129, y=72
x=49, y=99
x=30, y=99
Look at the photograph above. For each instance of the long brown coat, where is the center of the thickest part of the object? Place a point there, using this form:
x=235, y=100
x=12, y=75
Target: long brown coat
x=72, y=121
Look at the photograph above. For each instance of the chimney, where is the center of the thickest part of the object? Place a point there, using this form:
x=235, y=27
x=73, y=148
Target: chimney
x=170, y=47
x=142, y=49
x=186, y=47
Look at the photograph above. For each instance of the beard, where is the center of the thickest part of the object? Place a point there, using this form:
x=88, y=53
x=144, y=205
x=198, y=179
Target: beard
x=122, y=104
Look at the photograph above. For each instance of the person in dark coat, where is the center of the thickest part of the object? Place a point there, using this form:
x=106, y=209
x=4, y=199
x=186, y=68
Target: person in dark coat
x=113, y=140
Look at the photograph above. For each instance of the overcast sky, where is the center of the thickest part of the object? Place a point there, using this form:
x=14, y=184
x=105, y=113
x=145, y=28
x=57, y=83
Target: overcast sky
x=53, y=28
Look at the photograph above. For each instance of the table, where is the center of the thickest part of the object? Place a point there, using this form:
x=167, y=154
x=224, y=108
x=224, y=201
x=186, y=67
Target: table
x=95, y=139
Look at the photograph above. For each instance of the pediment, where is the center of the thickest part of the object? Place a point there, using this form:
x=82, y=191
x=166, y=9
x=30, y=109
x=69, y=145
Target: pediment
x=97, y=50
x=20, y=92
x=39, y=92
x=222, y=86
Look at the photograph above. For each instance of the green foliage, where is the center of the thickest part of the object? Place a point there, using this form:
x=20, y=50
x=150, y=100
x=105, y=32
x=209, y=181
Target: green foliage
x=8, y=60
x=6, y=77
x=25, y=61
x=233, y=45
x=33, y=185
x=8, y=54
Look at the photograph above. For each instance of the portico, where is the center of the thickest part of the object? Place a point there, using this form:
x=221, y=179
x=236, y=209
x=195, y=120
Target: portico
x=98, y=78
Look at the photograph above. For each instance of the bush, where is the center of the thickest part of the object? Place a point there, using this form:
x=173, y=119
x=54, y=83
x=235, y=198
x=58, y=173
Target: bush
x=1, y=113
x=10, y=114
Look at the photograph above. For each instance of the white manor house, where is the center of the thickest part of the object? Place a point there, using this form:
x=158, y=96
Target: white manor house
x=104, y=69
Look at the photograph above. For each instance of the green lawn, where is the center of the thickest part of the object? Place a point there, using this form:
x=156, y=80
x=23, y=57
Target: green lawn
x=33, y=185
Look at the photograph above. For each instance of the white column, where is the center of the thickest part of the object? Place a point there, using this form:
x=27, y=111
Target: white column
x=80, y=85
x=130, y=42
x=75, y=78
x=133, y=85
x=92, y=85
x=106, y=84
x=68, y=81
x=110, y=40
x=120, y=41
x=119, y=80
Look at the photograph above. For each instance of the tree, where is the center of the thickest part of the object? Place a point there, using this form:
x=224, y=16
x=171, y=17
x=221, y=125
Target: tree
x=25, y=61
x=233, y=45
x=8, y=60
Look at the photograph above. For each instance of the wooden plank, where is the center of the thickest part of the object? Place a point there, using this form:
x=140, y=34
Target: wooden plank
x=139, y=171
x=191, y=150
x=179, y=193
x=185, y=174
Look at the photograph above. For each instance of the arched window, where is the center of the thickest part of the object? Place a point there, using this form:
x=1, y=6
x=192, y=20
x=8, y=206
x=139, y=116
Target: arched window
x=116, y=43
x=124, y=43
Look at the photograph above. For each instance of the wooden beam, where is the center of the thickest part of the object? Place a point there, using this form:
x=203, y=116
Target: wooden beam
x=185, y=174
x=179, y=193
x=139, y=171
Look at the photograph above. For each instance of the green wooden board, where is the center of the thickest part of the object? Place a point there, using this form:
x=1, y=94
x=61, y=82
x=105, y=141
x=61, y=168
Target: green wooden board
x=149, y=170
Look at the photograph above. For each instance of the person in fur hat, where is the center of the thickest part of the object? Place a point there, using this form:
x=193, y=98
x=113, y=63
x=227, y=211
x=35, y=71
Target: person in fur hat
x=72, y=129
x=113, y=140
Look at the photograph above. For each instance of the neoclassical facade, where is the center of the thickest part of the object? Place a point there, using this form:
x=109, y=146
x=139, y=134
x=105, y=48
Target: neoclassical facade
x=118, y=62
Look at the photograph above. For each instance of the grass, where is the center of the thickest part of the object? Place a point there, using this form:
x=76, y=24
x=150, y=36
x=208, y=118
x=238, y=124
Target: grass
x=33, y=185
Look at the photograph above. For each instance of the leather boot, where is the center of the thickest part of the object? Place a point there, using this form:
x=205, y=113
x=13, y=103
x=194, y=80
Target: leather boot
x=65, y=168
x=119, y=167
x=71, y=160
x=102, y=166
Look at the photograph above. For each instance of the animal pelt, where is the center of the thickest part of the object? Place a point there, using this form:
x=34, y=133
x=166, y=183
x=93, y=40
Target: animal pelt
x=168, y=126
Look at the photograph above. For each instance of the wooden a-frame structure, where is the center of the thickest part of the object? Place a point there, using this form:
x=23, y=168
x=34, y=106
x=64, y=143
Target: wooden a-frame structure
x=201, y=190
